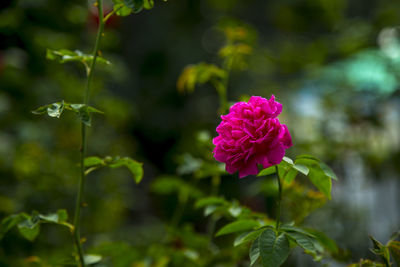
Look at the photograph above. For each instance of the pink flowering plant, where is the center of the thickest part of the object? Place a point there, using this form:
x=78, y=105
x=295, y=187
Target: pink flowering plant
x=251, y=140
x=251, y=134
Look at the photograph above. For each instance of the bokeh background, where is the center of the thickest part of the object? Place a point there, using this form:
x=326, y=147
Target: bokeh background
x=333, y=65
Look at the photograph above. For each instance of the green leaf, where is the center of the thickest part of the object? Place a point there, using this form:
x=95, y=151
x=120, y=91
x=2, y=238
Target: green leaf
x=58, y=218
x=29, y=228
x=326, y=242
x=307, y=157
x=290, y=228
x=304, y=241
x=148, y=4
x=254, y=253
x=64, y=55
x=83, y=111
x=290, y=175
x=238, y=226
x=62, y=216
x=200, y=73
x=267, y=171
x=136, y=168
x=91, y=259
x=381, y=250
x=247, y=237
x=394, y=248
x=328, y=171
x=274, y=250
x=165, y=185
x=93, y=161
x=210, y=201
x=317, y=175
x=301, y=168
x=210, y=210
x=9, y=222
x=288, y=160
x=126, y=7
x=235, y=210
x=395, y=235
x=55, y=110
x=171, y=184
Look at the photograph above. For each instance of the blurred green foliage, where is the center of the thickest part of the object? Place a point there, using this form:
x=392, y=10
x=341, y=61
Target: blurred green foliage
x=333, y=65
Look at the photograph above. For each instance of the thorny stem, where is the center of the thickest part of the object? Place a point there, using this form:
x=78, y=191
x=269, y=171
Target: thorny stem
x=278, y=216
x=79, y=199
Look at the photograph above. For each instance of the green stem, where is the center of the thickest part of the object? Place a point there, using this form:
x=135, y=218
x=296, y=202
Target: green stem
x=223, y=94
x=216, y=181
x=178, y=213
x=95, y=50
x=79, y=199
x=278, y=216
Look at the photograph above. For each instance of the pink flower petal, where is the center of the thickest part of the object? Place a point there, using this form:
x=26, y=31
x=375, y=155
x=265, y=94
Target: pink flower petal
x=250, y=134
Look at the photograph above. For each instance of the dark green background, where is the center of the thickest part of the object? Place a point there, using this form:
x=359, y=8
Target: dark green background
x=332, y=64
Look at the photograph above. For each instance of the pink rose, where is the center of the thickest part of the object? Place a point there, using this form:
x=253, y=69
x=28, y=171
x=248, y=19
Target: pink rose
x=251, y=134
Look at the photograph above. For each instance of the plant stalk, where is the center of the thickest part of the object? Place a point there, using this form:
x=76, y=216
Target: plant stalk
x=79, y=199
x=223, y=92
x=278, y=216
x=216, y=181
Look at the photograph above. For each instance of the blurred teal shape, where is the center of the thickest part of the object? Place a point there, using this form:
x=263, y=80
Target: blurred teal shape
x=369, y=70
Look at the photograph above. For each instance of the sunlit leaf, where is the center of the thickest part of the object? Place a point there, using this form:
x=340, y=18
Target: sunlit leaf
x=288, y=160
x=91, y=259
x=53, y=110
x=301, y=168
